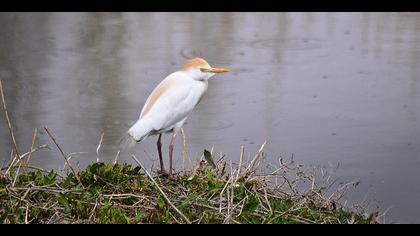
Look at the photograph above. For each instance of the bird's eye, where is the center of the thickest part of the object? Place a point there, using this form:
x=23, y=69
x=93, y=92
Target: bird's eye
x=204, y=70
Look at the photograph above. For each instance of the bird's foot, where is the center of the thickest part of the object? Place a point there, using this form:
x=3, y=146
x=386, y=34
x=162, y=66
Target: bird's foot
x=163, y=173
x=172, y=177
x=166, y=174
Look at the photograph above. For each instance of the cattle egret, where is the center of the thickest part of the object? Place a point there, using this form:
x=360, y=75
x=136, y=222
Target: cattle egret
x=170, y=104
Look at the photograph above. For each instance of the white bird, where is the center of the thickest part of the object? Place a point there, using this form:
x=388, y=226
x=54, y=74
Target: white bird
x=170, y=104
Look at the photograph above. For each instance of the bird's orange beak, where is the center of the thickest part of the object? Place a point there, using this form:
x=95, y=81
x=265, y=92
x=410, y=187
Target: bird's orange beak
x=217, y=70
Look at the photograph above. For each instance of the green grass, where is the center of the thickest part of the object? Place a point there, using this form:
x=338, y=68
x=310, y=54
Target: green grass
x=122, y=194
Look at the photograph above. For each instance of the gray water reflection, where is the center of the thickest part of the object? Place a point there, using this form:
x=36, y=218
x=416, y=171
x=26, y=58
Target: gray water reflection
x=325, y=87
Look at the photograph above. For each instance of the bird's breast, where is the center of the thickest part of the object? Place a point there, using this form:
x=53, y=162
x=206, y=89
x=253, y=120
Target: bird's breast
x=201, y=91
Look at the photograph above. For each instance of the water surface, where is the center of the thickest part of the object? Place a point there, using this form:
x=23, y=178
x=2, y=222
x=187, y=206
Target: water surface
x=327, y=88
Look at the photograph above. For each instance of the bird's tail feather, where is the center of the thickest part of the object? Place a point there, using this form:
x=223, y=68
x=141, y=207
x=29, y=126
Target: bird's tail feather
x=138, y=132
x=127, y=142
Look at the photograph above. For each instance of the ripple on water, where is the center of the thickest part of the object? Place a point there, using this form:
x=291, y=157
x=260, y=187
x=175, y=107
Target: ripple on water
x=287, y=44
x=189, y=53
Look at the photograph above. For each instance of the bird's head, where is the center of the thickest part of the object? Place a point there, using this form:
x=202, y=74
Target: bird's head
x=199, y=69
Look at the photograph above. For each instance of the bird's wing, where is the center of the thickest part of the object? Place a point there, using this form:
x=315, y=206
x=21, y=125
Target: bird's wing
x=170, y=102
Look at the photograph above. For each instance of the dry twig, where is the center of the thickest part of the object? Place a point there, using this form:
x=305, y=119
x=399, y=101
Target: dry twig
x=64, y=156
x=99, y=146
x=161, y=191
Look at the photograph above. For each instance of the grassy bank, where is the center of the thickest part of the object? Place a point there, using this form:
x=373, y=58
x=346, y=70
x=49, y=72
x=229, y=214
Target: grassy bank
x=114, y=193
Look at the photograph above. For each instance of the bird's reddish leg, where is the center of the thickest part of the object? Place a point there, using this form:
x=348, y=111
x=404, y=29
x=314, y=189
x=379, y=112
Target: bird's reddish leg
x=159, y=147
x=171, y=149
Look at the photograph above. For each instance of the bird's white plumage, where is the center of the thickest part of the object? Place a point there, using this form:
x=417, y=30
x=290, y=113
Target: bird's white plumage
x=170, y=103
x=178, y=94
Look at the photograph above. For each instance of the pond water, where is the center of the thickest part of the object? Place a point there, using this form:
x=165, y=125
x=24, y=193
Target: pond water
x=327, y=88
